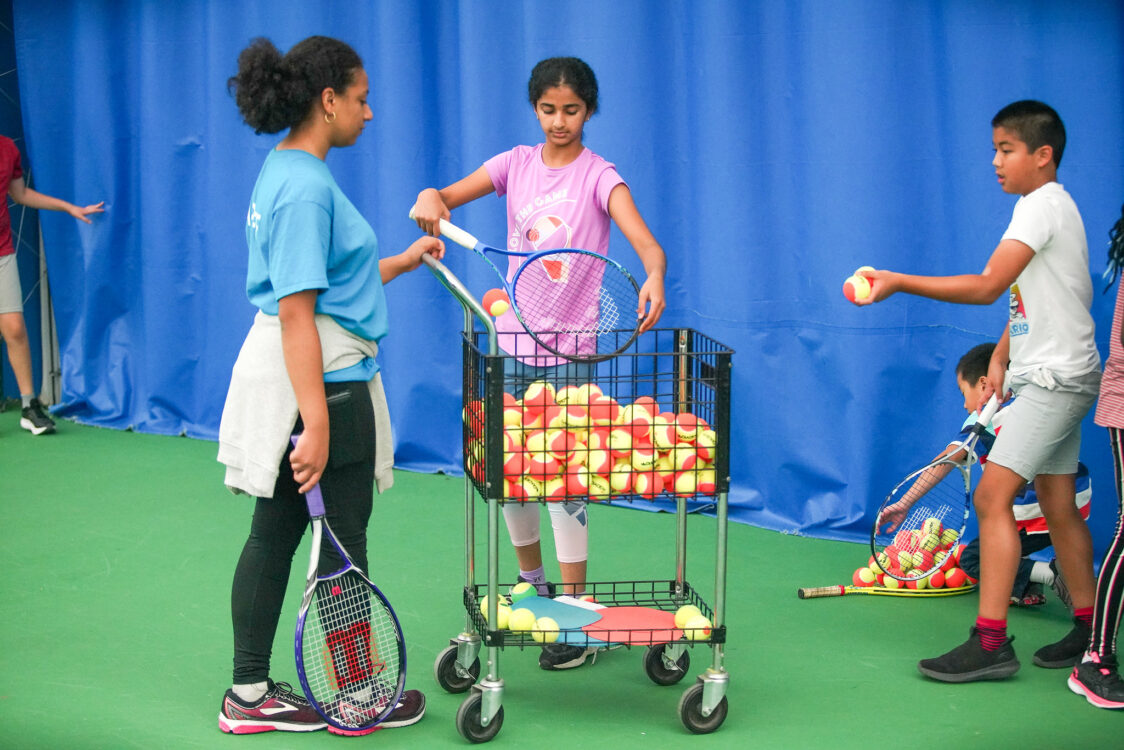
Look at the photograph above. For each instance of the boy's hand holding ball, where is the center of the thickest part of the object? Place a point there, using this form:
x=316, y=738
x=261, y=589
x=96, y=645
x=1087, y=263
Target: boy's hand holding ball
x=857, y=285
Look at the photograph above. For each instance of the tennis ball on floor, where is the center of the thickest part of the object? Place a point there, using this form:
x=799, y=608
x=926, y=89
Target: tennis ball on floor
x=955, y=578
x=685, y=613
x=521, y=620
x=856, y=288
x=496, y=302
x=936, y=580
x=864, y=577
x=891, y=583
x=545, y=630
x=697, y=628
x=521, y=591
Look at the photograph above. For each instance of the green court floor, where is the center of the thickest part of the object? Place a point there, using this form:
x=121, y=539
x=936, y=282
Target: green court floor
x=117, y=556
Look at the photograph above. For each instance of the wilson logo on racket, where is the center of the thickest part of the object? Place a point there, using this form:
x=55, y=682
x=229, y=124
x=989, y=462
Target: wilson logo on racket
x=353, y=659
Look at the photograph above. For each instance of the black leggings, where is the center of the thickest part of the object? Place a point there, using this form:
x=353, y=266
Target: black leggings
x=262, y=575
x=1110, y=584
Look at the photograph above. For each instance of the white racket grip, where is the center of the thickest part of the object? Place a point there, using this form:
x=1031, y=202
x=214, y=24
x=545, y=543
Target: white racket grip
x=989, y=410
x=455, y=233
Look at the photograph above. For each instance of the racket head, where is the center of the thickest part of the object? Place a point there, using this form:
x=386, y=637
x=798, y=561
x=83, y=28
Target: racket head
x=350, y=654
x=921, y=520
x=577, y=304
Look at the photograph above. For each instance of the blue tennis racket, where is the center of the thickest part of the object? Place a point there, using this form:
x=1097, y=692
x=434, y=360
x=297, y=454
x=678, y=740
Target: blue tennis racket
x=574, y=303
x=351, y=657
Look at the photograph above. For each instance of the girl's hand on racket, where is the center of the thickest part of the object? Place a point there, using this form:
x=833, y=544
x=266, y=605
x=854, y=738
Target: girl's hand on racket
x=428, y=212
x=652, y=303
x=309, y=457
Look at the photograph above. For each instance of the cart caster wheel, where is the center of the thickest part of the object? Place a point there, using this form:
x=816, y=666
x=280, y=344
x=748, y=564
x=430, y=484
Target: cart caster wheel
x=445, y=672
x=659, y=672
x=468, y=720
x=690, y=711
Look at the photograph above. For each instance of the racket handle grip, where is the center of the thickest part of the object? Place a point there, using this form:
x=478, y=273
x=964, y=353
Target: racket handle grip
x=455, y=233
x=821, y=591
x=314, y=499
x=989, y=410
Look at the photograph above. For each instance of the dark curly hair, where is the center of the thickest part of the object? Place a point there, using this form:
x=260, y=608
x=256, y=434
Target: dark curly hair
x=572, y=72
x=275, y=92
x=1115, y=251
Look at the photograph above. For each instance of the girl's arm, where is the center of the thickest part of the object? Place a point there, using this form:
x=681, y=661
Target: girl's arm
x=1006, y=263
x=25, y=196
x=409, y=259
x=433, y=205
x=304, y=363
x=623, y=211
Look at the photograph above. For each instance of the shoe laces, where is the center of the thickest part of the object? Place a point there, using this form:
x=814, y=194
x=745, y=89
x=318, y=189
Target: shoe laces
x=285, y=691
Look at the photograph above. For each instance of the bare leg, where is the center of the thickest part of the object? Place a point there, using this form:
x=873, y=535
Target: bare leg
x=1073, y=542
x=999, y=539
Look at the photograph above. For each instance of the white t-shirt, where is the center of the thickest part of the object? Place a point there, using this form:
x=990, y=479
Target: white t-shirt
x=1050, y=327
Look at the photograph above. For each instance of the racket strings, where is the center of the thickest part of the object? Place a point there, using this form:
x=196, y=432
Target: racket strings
x=350, y=651
x=576, y=303
x=921, y=521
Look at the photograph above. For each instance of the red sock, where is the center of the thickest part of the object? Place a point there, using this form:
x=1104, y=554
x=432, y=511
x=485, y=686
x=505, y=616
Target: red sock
x=1084, y=614
x=993, y=633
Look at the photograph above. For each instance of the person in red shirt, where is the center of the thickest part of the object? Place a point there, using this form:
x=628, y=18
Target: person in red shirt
x=12, y=327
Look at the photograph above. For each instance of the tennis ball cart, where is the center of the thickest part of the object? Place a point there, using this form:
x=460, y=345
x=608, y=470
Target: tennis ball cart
x=650, y=424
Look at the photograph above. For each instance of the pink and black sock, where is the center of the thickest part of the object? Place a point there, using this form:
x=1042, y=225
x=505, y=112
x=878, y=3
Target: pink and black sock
x=993, y=633
x=1084, y=615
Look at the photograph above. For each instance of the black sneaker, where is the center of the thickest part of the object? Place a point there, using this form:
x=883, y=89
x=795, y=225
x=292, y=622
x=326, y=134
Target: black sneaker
x=280, y=710
x=1033, y=596
x=1099, y=682
x=34, y=419
x=968, y=662
x=1059, y=586
x=410, y=710
x=542, y=589
x=1066, y=652
x=556, y=656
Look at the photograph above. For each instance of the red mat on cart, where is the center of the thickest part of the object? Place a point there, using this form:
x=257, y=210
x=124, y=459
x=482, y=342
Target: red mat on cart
x=625, y=625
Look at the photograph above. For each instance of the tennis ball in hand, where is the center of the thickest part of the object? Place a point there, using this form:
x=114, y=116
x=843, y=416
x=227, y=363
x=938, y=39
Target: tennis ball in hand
x=685, y=613
x=521, y=590
x=856, y=288
x=545, y=630
x=697, y=628
x=496, y=302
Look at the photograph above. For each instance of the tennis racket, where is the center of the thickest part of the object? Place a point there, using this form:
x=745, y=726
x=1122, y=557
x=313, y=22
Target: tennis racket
x=925, y=514
x=824, y=591
x=351, y=658
x=576, y=304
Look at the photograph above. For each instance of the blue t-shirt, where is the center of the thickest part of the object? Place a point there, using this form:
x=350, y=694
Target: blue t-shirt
x=303, y=233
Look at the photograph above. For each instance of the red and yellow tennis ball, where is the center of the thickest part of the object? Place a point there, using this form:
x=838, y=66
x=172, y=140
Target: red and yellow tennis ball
x=955, y=578
x=936, y=580
x=599, y=487
x=496, y=302
x=577, y=480
x=707, y=482
x=604, y=410
x=646, y=484
x=685, y=484
x=685, y=613
x=856, y=288
x=648, y=404
x=644, y=457
x=545, y=630
x=687, y=427
x=697, y=628
x=620, y=478
x=538, y=396
x=864, y=577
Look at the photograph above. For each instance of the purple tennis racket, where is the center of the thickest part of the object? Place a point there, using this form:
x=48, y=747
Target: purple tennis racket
x=351, y=657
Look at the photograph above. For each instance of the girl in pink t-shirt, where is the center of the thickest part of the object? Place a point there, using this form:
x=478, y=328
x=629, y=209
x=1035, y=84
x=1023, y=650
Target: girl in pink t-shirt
x=559, y=195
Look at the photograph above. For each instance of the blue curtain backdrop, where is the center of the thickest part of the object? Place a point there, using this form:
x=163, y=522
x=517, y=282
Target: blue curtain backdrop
x=772, y=147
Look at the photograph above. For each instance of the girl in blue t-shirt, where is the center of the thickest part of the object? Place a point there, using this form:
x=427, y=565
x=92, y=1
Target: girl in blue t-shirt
x=316, y=277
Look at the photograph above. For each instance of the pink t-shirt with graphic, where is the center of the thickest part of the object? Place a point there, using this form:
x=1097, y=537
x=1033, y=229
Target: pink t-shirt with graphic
x=550, y=208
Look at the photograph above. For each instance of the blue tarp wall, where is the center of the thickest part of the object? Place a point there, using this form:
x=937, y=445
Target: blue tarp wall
x=772, y=147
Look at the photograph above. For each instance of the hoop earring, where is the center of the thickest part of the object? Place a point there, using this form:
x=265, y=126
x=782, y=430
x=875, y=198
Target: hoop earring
x=331, y=119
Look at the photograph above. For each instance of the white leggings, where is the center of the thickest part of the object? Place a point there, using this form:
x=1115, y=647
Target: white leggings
x=569, y=519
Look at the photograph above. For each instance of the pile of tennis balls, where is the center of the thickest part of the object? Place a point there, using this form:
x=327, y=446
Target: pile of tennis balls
x=510, y=616
x=932, y=544
x=577, y=441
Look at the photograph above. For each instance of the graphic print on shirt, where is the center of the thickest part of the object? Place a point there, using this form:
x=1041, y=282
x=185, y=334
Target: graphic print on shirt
x=1018, y=320
x=544, y=229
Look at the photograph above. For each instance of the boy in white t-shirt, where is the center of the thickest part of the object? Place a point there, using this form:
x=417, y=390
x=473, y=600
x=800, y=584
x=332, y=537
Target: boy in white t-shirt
x=1047, y=356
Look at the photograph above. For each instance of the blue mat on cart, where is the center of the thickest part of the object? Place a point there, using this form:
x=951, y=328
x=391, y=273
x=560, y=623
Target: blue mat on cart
x=571, y=618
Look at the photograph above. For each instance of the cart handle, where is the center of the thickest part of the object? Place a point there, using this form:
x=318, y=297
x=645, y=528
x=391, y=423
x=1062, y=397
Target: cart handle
x=470, y=304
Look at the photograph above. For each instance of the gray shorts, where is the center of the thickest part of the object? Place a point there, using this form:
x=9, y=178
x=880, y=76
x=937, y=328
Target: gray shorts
x=1041, y=431
x=11, y=296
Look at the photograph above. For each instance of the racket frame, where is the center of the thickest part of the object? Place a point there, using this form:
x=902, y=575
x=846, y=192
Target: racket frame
x=820, y=592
